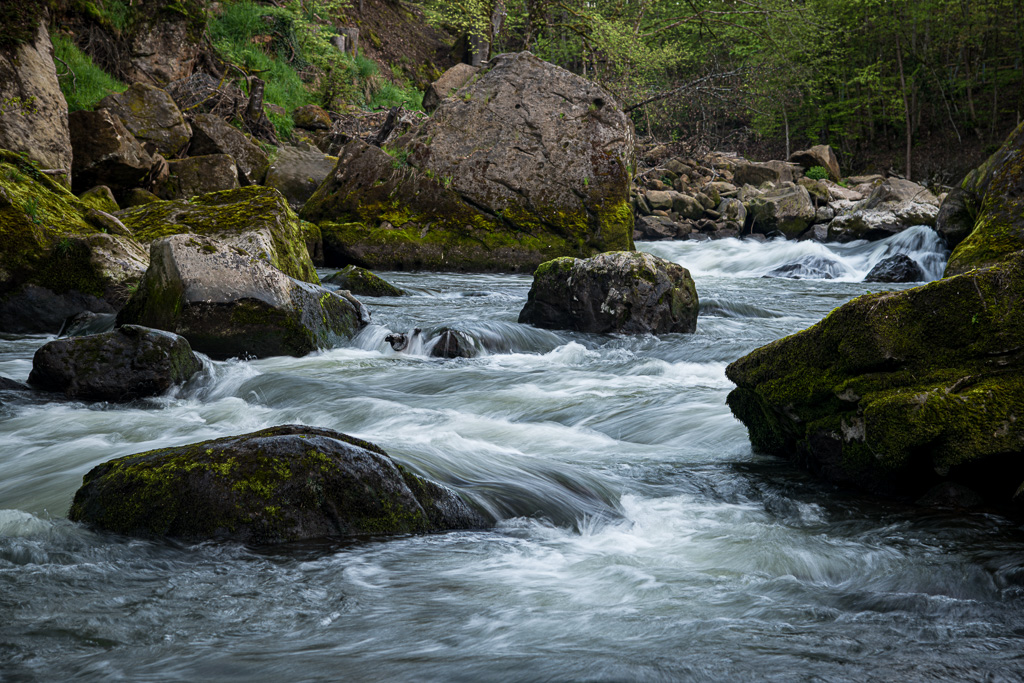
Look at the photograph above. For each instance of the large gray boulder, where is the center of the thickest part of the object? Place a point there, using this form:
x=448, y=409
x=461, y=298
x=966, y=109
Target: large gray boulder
x=529, y=162
x=626, y=292
x=757, y=173
x=256, y=221
x=105, y=152
x=297, y=173
x=213, y=135
x=230, y=304
x=151, y=115
x=286, y=483
x=164, y=41
x=33, y=112
x=787, y=209
x=447, y=85
x=128, y=363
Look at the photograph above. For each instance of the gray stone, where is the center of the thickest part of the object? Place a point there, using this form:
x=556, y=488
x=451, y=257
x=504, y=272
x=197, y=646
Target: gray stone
x=128, y=363
x=105, y=152
x=626, y=292
x=447, y=85
x=297, y=174
x=228, y=304
x=33, y=112
x=151, y=115
x=786, y=209
x=819, y=155
x=199, y=175
x=896, y=268
x=213, y=135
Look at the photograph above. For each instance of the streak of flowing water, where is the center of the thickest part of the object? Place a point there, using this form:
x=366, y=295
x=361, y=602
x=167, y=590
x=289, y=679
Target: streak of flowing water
x=639, y=538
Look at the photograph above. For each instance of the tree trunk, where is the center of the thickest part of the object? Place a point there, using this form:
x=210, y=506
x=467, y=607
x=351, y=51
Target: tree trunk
x=906, y=101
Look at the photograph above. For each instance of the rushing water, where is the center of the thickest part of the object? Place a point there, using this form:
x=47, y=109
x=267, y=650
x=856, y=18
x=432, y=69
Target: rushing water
x=639, y=537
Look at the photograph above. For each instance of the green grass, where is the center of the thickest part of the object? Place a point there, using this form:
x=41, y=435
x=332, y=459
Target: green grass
x=298, y=64
x=83, y=83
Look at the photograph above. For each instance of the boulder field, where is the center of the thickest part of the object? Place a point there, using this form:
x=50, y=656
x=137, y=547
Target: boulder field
x=286, y=483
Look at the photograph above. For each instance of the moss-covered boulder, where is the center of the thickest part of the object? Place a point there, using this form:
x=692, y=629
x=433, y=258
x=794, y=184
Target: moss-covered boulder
x=58, y=256
x=100, y=198
x=228, y=303
x=152, y=116
x=984, y=216
x=286, y=483
x=362, y=282
x=528, y=163
x=898, y=392
x=128, y=363
x=627, y=292
x=256, y=220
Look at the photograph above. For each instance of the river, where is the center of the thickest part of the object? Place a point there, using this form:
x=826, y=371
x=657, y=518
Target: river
x=639, y=537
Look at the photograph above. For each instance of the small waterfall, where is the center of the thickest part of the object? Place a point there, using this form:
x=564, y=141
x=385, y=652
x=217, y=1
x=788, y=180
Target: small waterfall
x=806, y=260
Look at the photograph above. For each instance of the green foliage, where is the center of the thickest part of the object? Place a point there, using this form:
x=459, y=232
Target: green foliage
x=31, y=209
x=82, y=82
x=399, y=155
x=817, y=173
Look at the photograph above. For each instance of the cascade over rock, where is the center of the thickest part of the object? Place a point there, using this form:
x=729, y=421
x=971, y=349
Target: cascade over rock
x=628, y=292
x=255, y=220
x=285, y=483
x=529, y=162
x=33, y=112
x=227, y=303
x=128, y=363
x=897, y=392
x=984, y=216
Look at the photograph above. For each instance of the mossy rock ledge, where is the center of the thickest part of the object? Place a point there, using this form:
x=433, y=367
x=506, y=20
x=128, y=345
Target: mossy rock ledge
x=257, y=220
x=626, y=292
x=227, y=303
x=58, y=257
x=526, y=163
x=983, y=218
x=901, y=393
x=286, y=483
x=362, y=282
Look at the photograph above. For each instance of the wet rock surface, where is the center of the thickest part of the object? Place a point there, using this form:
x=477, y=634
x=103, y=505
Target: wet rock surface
x=285, y=483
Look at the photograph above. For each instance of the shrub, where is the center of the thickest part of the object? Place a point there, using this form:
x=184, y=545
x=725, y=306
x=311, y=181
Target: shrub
x=817, y=173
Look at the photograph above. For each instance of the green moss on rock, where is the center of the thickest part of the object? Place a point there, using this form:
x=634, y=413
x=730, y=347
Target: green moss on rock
x=280, y=484
x=896, y=392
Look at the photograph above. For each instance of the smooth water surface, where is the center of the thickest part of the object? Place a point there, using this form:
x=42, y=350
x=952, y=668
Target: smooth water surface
x=639, y=537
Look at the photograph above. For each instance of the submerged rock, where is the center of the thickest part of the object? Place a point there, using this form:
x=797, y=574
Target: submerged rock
x=256, y=220
x=128, y=363
x=286, y=483
x=898, y=392
x=362, y=282
x=530, y=162
x=808, y=268
x=986, y=211
x=227, y=303
x=452, y=344
x=896, y=268
x=628, y=292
